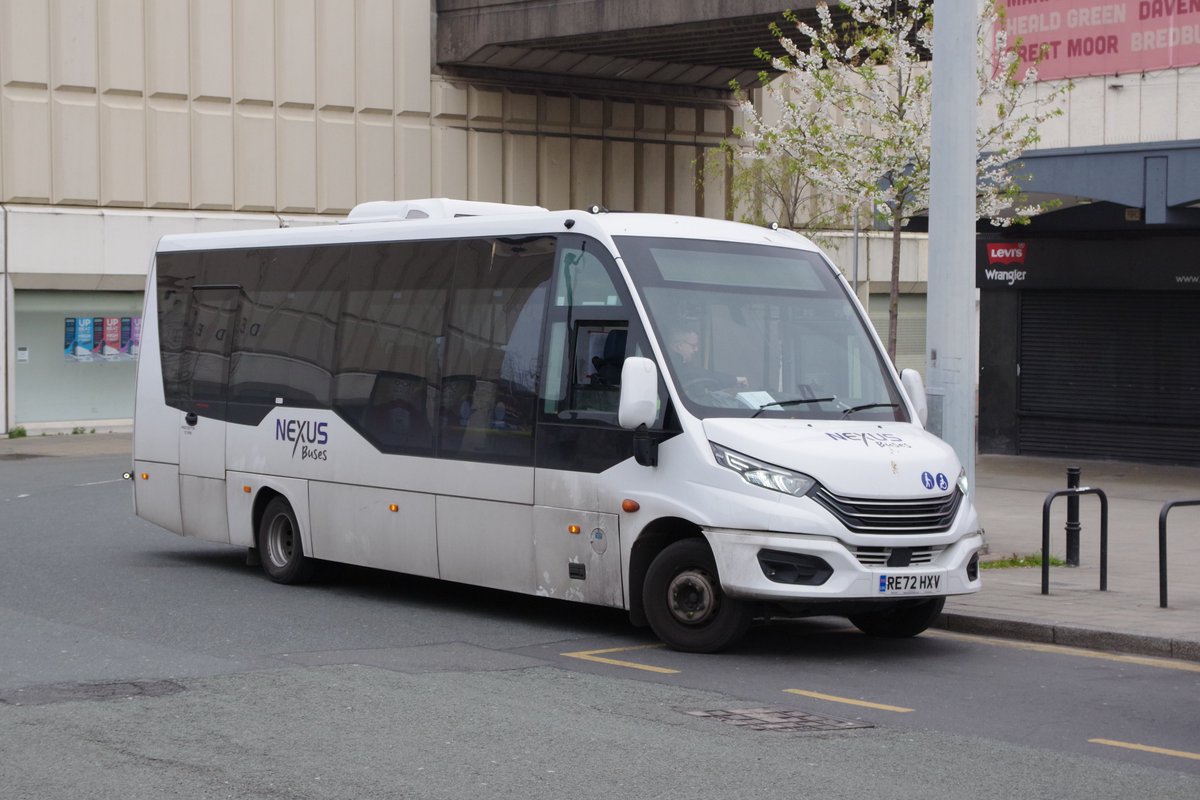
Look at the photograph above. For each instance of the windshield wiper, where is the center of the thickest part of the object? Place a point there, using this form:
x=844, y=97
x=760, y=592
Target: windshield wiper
x=797, y=402
x=864, y=407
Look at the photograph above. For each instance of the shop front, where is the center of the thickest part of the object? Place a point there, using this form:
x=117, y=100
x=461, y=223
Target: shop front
x=1090, y=346
x=75, y=356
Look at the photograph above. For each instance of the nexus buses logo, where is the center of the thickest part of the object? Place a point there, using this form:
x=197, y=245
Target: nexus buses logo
x=306, y=437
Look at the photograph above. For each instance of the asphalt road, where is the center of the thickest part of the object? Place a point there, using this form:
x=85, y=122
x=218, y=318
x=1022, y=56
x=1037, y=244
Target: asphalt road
x=134, y=663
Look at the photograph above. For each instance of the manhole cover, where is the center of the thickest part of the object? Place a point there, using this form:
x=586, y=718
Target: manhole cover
x=775, y=719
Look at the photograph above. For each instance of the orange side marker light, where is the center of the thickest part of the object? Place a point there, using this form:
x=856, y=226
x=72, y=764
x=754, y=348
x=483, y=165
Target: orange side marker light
x=629, y=506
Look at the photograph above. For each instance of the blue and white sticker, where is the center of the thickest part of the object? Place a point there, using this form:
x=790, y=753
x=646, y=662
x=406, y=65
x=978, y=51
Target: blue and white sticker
x=943, y=482
x=927, y=480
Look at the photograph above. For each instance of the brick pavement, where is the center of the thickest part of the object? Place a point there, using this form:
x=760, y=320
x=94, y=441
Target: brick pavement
x=1009, y=494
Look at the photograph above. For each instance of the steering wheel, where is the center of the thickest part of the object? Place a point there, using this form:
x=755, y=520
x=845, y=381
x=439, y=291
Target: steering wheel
x=706, y=383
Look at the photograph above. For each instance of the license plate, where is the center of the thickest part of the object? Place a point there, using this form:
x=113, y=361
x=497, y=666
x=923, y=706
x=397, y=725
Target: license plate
x=910, y=584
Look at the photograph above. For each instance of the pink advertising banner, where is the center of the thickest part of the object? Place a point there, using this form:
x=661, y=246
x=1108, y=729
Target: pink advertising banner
x=1087, y=37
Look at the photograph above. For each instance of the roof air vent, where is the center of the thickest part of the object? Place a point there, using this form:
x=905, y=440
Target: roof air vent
x=432, y=208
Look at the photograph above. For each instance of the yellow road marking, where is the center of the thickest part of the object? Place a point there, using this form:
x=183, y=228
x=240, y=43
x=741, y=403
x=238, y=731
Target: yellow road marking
x=849, y=701
x=1145, y=748
x=595, y=655
x=1037, y=647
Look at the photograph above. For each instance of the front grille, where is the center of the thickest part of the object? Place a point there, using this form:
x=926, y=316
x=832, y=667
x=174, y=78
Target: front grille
x=864, y=515
x=881, y=556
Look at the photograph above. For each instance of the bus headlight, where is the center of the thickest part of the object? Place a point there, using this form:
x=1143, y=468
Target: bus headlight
x=963, y=483
x=767, y=476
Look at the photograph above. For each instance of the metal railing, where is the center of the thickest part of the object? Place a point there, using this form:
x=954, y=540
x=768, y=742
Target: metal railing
x=1162, y=547
x=1075, y=492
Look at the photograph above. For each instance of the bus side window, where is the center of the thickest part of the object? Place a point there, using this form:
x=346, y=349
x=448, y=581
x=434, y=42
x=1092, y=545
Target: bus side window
x=491, y=358
x=392, y=316
x=588, y=338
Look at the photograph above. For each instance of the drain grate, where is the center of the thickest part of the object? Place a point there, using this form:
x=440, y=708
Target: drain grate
x=776, y=719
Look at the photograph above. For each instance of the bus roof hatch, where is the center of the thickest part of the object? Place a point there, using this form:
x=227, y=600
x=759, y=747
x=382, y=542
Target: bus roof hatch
x=431, y=208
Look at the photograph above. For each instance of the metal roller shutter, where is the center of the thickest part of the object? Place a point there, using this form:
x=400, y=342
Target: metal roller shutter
x=1110, y=375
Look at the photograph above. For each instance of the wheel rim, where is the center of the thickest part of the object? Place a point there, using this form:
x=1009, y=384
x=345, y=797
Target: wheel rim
x=692, y=597
x=281, y=540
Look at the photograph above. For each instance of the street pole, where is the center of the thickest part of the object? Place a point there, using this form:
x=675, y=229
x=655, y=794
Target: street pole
x=951, y=326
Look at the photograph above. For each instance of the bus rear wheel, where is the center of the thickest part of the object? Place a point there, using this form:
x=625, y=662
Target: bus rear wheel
x=279, y=546
x=684, y=602
x=905, y=619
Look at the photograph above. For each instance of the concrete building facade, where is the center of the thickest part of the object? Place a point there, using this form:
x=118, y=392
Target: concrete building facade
x=123, y=120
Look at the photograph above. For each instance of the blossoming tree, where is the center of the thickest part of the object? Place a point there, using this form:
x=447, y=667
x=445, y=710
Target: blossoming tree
x=855, y=103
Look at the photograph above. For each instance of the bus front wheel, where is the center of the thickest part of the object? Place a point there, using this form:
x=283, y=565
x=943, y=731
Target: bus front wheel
x=279, y=546
x=684, y=603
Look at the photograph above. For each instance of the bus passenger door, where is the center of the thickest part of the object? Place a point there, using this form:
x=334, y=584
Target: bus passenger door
x=207, y=348
x=577, y=542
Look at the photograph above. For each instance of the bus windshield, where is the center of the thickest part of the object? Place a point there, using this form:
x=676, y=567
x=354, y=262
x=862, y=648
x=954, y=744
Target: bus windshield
x=760, y=331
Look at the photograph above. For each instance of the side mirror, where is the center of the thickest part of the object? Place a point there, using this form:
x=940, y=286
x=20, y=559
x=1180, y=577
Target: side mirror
x=914, y=387
x=639, y=393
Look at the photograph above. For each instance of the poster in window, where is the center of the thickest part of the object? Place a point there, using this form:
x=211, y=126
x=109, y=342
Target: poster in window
x=97, y=336
x=69, y=337
x=90, y=339
x=111, y=348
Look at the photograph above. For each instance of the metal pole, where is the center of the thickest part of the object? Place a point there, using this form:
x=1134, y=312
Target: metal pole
x=1073, y=527
x=951, y=326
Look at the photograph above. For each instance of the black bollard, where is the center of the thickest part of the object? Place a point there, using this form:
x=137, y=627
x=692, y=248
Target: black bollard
x=1073, y=526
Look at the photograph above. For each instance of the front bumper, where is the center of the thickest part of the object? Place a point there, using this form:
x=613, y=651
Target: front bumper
x=737, y=556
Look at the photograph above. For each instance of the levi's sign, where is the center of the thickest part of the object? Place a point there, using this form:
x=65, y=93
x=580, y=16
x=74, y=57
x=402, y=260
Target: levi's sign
x=1006, y=252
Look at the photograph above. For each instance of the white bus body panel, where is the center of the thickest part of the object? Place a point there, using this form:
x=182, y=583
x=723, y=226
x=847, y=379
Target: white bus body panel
x=738, y=519
x=355, y=525
x=486, y=544
x=594, y=548
x=156, y=498
x=203, y=508
x=240, y=505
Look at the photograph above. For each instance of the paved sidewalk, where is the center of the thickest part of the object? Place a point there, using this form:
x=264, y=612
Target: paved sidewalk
x=67, y=444
x=1009, y=494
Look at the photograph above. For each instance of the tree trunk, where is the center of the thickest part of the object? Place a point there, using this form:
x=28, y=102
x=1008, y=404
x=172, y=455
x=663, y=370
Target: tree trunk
x=894, y=289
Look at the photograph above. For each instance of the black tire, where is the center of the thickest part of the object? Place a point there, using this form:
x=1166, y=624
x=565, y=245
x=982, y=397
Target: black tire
x=279, y=545
x=904, y=619
x=684, y=603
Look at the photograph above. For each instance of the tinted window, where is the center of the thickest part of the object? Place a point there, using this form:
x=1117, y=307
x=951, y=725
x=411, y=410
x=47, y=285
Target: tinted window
x=390, y=327
x=286, y=330
x=196, y=314
x=490, y=357
x=176, y=273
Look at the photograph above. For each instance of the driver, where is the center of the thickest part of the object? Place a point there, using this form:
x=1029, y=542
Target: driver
x=683, y=348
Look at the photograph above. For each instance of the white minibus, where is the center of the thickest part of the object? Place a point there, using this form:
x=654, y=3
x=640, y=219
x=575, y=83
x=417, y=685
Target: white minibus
x=687, y=418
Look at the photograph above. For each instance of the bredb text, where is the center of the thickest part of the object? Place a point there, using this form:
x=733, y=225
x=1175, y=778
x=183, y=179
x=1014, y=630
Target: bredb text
x=306, y=436
x=878, y=439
